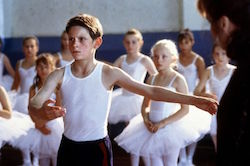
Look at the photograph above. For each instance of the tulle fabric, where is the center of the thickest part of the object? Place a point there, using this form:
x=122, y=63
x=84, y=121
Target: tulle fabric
x=136, y=139
x=19, y=101
x=15, y=127
x=45, y=145
x=124, y=106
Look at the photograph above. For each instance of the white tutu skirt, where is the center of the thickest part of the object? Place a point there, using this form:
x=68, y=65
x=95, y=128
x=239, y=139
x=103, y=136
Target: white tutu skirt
x=49, y=144
x=45, y=145
x=136, y=139
x=6, y=82
x=15, y=127
x=124, y=106
x=19, y=101
x=200, y=120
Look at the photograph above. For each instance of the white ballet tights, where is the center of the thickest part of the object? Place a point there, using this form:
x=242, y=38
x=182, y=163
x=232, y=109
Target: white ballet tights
x=168, y=160
x=44, y=161
x=54, y=159
x=26, y=157
x=134, y=160
x=35, y=159
x=47, y=161
x=187, y=153
x=146, y=161
x=214, y=138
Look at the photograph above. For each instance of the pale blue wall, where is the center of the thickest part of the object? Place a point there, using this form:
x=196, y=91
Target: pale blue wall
x=1, y=19
x=46, y=19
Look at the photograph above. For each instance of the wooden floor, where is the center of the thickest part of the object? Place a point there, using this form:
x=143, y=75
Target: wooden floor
x=204, y=154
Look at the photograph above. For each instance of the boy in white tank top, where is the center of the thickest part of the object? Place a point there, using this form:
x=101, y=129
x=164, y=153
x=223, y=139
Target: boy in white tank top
x=86, y=87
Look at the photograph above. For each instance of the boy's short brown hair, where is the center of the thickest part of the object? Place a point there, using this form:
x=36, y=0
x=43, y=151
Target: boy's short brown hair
x=91, y=23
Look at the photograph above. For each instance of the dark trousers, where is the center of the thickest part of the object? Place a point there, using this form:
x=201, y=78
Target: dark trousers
x=89, y=153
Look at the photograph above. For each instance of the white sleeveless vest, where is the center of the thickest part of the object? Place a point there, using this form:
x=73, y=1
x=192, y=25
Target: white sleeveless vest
x=87, y=104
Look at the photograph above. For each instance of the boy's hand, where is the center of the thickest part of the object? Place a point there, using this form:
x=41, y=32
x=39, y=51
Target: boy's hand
x=207, y=104
x=52, y=112
x=46, y=113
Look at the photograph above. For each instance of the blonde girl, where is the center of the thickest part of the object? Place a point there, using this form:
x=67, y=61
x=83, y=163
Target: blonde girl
x=161, y=131
x=136, y=65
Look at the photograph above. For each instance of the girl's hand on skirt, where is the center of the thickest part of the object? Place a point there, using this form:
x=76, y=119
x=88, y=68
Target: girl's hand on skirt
x=43, y=129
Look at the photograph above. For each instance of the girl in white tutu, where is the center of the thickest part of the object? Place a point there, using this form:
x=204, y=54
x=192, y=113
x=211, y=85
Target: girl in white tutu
x=217, y=77
x=12, y=124
x=25, y=73
x=5, y=80
x=162, y=129
x=136, y=65
x=64, y=57
x=44, y=141
x=191, y=66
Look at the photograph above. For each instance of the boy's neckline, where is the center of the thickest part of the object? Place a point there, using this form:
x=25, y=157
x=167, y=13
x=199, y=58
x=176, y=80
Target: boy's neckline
x=81, y=74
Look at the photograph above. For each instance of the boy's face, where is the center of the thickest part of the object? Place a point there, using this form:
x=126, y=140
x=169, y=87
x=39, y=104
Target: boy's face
x=81, y=45
x=186, y=45
x=30, y=48
x=132, y=44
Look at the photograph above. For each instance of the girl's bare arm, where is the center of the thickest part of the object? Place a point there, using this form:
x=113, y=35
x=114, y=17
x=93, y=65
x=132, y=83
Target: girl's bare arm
x=149, y=65
x=199, y=89
x=17, y=78
x=8, y=66
x=4, y=100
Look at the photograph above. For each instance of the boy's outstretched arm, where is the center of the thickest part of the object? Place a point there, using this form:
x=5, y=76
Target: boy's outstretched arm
x=40, y=109
x=160, y=93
